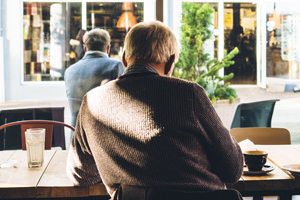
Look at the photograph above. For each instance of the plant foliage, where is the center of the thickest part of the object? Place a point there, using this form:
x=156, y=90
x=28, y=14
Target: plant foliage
x=196, y=65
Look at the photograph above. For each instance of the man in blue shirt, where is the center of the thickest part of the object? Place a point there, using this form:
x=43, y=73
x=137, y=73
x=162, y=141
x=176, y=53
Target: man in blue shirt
x=94, y=69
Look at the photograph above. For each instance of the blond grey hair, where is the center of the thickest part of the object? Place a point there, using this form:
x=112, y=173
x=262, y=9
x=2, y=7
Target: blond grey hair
x=150, y=42
x=96, y=39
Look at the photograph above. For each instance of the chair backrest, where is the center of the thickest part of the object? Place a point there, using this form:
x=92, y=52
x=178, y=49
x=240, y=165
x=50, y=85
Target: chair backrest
x=47, y=124
x=129, y=192
x=259, y=135
x=254, y=114
x=10, y=139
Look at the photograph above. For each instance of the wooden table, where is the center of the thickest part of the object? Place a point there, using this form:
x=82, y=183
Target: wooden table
x=51, y=181
x=277, y=182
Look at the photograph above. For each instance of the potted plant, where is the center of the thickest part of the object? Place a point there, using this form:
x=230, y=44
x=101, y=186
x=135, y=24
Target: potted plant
x=194, y=63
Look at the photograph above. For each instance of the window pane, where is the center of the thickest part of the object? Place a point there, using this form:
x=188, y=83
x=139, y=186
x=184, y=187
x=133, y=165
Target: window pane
x=50, y=30
x=47, y=29
x=283, y=40
x=116, y=18
x=240, y=31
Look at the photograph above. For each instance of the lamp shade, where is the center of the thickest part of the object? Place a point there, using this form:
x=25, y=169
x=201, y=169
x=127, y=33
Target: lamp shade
x=127, y=19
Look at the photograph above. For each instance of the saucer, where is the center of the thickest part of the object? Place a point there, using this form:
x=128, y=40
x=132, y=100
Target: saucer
x=294, y=169
x=265, y=170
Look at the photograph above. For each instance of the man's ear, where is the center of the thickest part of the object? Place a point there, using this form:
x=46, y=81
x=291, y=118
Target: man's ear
x=124, y=60
x=169, y=66
x=108, y=50
x=85, y=48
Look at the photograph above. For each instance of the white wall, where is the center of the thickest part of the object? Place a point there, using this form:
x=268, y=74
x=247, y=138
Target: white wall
x=2, y=92
x=15, y=88
x=2, y=85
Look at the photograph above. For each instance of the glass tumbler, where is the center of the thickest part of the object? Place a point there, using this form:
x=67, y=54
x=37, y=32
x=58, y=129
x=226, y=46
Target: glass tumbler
x=35, y=145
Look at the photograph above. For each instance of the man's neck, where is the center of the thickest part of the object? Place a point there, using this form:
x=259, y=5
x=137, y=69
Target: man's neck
x=95, y=51
x=159, y=68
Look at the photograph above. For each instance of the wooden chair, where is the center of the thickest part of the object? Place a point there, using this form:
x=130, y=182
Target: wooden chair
x=10, y=139
x=47, y=124
x=260, y=135
x=263, y=136
x=254, y=114
x=129, y=192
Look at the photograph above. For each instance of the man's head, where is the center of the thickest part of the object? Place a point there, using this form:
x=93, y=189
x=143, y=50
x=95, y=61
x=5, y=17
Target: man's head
x=151, y=43
x=96, y=40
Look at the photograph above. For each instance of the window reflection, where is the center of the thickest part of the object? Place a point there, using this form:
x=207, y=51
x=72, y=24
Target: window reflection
x=51, y=33
x=47, y=28
x=116, y=18
x=283, y=31
x=240, y=31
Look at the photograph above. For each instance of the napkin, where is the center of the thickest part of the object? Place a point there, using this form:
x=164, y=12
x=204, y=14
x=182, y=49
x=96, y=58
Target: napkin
x=247, y=145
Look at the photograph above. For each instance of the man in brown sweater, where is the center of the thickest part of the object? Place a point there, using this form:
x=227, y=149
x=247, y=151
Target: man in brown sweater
x=147, y=128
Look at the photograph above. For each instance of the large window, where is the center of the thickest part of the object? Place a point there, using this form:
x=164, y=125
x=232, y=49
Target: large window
x=283, y=40
x=50, y=30
x=47, y=29
x=234, y=25
x=117, y=18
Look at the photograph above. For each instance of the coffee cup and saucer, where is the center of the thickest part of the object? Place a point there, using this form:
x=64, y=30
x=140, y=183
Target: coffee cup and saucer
x=255, y=163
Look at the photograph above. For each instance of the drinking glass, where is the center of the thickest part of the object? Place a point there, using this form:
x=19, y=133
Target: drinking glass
x=35, y=145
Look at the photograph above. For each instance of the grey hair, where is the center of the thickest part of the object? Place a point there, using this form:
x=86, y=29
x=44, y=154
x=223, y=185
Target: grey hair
x=150, y=42
x=97, y=39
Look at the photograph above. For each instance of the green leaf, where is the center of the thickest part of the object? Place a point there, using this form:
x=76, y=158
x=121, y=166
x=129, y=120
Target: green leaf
x=196, y=65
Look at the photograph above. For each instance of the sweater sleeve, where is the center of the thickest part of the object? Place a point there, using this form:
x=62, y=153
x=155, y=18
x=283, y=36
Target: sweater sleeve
x=81, y=166
x=224, y=153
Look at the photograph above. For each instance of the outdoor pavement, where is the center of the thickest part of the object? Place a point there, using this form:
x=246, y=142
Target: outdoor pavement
x=286, y=112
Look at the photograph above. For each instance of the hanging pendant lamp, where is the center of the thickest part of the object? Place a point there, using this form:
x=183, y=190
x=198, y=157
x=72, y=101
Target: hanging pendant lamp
x=127, y=19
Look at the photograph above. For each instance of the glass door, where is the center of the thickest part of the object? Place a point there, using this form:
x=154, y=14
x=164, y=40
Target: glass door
x=240, y=31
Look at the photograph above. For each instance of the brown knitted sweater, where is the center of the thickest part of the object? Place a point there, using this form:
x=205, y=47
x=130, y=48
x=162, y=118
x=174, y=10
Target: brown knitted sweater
x=145, y=129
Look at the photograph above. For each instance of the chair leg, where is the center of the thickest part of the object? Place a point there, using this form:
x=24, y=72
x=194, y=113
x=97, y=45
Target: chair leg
x=257, y=197
x=285, y=197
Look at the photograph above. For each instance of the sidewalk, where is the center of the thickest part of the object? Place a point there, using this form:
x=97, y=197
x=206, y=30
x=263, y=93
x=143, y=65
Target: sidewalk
x=286, y=112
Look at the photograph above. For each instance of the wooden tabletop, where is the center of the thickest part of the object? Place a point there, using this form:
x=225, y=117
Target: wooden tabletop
x=51, y=180
x=277, y=182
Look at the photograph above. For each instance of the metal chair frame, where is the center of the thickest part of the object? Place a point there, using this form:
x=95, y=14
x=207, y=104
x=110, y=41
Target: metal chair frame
x=254, y=114
x=47, y=124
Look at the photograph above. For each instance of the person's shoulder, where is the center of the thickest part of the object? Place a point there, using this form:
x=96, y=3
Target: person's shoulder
x=69, y=70
x=114, y=61
x=73, y=69
x=182, y=82
x=186, y=85
x=74, y=66
x=102, y=88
